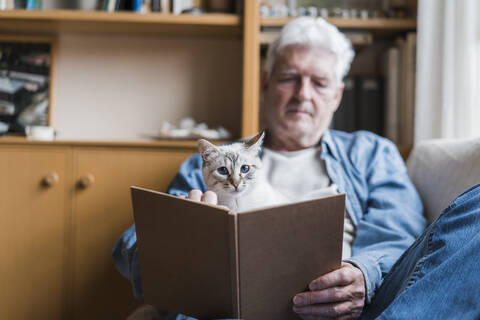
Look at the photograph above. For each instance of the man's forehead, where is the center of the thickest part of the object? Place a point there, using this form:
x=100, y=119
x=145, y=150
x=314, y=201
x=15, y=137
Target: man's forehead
x=317, y=61
x=321, y=73
x=290, y=51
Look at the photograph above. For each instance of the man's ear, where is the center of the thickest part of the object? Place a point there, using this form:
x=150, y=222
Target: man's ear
x=338, y=95
x=207, y=149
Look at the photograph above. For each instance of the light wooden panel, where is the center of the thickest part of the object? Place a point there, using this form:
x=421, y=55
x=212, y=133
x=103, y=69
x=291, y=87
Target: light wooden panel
x=101, y=213
x=251, y=68
x=120, y=87
x=33, y=224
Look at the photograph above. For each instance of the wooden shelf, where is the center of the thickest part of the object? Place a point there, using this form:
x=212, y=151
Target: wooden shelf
x=357, y=38
x=149, y=143
x=54, y=21
x=367, y=24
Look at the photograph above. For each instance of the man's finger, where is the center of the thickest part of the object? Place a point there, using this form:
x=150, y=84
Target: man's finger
x=334, y=294
x=340, y=277
x=195, y=195
x=210, y=197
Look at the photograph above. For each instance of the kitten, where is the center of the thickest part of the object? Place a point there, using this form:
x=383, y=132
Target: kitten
x=234, y=173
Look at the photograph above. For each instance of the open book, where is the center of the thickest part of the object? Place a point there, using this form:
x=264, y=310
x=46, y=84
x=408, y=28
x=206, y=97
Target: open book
x=209, y=263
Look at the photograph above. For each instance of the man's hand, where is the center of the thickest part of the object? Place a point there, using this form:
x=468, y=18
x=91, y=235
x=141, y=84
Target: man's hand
x=339, y=294
x=208, y=196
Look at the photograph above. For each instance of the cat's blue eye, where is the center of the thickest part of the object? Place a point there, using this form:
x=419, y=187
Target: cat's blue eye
x=223, y=171
x=245, y=168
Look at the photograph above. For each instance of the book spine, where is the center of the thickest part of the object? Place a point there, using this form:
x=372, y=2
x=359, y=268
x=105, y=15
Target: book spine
x=137, y=5
x=29, y=4
x=344, y=118
x=19, y=4
x=402, y=98
x=41, y=79
x=371, y=105
x=156, y=6
x=234, y=265
x=111, y=5
x=392, y=76
x=410, y=67
x=165, y=6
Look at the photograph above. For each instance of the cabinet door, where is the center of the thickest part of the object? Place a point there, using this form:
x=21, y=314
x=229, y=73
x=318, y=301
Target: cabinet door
x=34, y=214
x=102, y=211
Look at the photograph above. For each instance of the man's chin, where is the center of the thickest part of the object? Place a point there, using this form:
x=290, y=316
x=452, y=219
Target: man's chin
x=299, y=130
x=302, y=135
x=300, y=115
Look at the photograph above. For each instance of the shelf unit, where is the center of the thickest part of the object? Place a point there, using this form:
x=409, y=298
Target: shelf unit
x=225, y=25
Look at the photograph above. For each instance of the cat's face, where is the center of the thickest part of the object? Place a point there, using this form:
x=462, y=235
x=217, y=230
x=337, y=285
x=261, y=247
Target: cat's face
x=233, y=169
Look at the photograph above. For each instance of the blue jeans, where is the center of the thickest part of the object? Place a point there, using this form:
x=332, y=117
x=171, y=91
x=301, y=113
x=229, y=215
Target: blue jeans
x=438, y=276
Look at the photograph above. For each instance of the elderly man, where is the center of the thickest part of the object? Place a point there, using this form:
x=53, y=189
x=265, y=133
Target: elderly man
x=301, y=89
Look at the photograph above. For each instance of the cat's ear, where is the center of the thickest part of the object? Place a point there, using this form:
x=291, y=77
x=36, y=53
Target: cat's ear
x=255, y=143
x=207, y=149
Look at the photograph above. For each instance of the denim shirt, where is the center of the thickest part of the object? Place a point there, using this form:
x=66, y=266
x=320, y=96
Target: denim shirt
x=382, y=202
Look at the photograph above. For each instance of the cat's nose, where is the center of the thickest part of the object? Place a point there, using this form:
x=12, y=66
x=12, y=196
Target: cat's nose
x=236, y=184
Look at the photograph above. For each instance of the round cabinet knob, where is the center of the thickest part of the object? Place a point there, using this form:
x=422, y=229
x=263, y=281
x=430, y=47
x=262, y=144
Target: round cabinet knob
x=50, y=179
x=86, y=181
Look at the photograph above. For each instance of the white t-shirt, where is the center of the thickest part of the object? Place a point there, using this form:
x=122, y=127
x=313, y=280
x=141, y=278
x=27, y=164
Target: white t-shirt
x=301, y=175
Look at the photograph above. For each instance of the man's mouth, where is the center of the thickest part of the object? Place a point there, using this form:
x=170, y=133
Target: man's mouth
x=298, y=111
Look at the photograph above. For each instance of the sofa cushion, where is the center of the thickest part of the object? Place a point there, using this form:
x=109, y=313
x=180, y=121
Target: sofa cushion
x=442, y=169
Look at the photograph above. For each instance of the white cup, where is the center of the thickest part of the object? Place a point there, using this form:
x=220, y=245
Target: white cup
x=40, y=133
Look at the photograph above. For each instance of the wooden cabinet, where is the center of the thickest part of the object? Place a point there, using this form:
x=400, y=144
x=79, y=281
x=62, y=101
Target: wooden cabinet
x=34, y=219
x=57, y=240
x=102, y=211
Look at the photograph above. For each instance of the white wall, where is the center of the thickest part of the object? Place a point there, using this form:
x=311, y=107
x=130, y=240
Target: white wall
x=121, y=87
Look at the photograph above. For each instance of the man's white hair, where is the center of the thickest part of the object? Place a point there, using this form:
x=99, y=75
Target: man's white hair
x=313, y=32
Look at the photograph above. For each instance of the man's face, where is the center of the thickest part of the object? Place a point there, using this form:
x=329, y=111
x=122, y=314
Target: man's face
x=300, y=97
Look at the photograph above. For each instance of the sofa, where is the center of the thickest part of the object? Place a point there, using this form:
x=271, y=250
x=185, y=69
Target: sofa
x=443, y=169
x=440, y=169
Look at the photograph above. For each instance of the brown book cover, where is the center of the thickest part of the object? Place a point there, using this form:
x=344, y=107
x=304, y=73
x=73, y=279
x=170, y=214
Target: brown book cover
x=206, y=262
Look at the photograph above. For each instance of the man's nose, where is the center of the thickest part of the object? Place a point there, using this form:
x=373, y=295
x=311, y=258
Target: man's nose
x=304, y=91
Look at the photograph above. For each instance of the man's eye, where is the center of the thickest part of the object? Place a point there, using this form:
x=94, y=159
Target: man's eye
x=223, y=171
x=284, y=80
x=245, y=168
x=321, y=84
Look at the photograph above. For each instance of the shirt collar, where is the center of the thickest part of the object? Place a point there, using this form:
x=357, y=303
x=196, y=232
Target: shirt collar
x=326, y=142
x=328, y=146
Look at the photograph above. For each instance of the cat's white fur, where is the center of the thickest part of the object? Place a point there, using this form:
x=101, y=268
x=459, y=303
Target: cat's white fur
x=236, y=190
